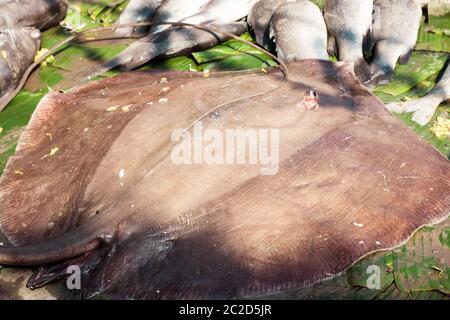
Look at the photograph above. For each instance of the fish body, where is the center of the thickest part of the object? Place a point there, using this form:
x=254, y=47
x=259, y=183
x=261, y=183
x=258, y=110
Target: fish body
x=221, y=11
x=395, y=29
x=40, y=14
x=160, y=39
x=137, y=11
x=18, y=48
x=259, y=20
x=168, y=43
x=299, y=31
x=425, y=107
x=175, y=11
x=349, y=24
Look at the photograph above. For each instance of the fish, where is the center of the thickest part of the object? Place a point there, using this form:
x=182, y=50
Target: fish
x=349, y=24
x=221, y=12
x=18, y=47
x=168, y=43
x=299, y=31
x=175, y=11
x=144, y=216
x=160, y=39
x=40, y=14
x=395, y=30
x=259, y=20
x=135, y=12
x=424, y=108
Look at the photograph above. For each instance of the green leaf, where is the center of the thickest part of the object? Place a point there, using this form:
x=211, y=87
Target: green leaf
x=424, y=262
x=233, y=55
x=420, y=67
x=434, y=41
x=12, y=119
x=177, y=63
x=361, y=273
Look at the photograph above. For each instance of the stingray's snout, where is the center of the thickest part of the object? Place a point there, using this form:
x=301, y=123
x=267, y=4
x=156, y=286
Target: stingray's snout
x=310, y=101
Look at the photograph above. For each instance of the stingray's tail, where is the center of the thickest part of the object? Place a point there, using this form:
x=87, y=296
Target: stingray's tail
x=67, y=246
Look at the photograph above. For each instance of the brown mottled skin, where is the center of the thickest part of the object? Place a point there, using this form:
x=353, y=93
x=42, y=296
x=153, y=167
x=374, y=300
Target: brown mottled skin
x=163, y=231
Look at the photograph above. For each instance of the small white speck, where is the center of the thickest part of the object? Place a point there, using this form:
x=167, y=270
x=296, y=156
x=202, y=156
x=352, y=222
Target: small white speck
x=378, y=242
x=163, y=100
x=122, y=173
x=132, y=205
x=86, y=130
x=361, y=242
x=51, y=225
x=403, y=165
x=358, y=224
x=431, y=189
x=2, y=244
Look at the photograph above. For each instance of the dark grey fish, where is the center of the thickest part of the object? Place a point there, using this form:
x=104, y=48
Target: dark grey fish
x=40, y=14
x=175, y=11
x=154, y=45
x=168, y=43
x=18, y=47
x=137, y=11
x=349, y=24
x=299, y=31
x=221, y=11
x=425, y=107
x=259, y=20
x=395, y=30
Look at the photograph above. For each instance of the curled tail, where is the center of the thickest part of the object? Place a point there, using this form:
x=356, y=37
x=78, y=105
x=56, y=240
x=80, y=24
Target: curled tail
x=67, y=246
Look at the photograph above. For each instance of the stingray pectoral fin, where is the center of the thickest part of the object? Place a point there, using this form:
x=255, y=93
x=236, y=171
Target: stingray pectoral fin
x=51, y=251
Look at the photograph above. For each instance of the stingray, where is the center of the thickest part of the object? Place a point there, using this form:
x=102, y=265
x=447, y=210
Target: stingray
x=94, y=183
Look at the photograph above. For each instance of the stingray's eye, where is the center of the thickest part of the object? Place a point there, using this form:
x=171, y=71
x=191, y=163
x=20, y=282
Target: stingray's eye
x=313, y=93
